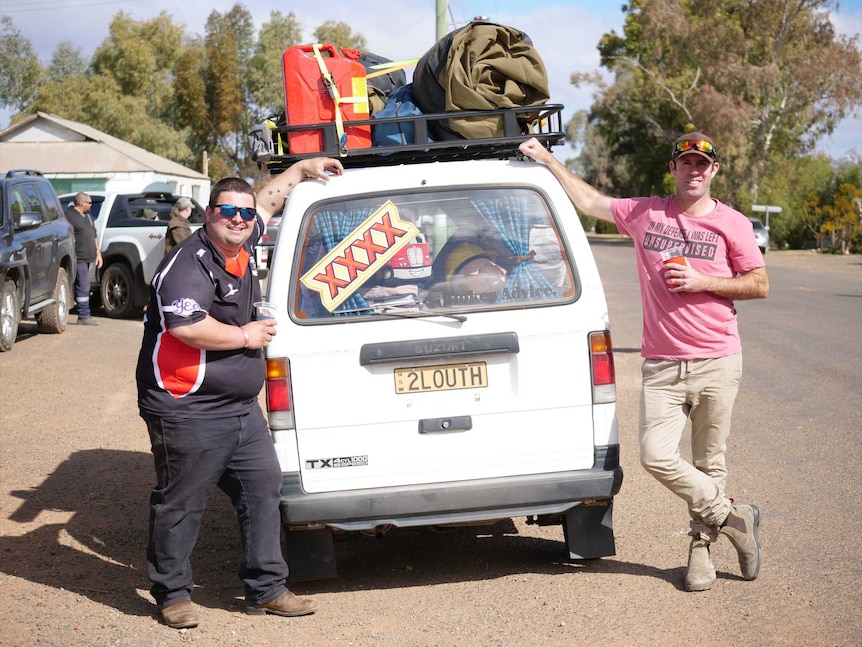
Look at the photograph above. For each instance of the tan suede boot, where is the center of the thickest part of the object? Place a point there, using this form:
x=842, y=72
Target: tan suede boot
x=701, y=573
x=742, y=527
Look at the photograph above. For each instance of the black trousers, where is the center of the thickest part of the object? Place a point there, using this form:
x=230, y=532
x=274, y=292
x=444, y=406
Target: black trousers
x=193, y=457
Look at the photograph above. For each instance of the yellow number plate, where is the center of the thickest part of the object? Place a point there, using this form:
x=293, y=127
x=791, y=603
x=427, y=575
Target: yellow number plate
x=446, y=377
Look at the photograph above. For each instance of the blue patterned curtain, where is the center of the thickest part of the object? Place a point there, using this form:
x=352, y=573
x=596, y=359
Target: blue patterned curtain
x=332, y=227
x=510, y=216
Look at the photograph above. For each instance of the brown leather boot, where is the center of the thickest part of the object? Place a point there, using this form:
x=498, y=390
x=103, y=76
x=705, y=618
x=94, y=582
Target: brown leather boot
x=285, y=605
x=180, y=615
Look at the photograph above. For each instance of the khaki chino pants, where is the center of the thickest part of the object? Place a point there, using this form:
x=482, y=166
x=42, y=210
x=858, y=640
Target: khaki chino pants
x=702, y=390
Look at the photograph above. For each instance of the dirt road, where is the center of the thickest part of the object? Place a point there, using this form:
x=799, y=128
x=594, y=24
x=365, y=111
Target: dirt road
x=76, y=474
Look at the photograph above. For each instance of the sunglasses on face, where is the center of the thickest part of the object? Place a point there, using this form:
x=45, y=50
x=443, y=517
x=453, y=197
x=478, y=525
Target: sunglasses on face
x=229, y=211
x=695, y=145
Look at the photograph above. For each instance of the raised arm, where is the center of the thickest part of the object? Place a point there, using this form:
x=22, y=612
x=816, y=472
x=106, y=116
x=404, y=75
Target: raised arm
x=586, y=199
x=273, y=195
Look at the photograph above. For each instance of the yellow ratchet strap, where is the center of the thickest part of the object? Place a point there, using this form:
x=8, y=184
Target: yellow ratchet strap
x=332, y=89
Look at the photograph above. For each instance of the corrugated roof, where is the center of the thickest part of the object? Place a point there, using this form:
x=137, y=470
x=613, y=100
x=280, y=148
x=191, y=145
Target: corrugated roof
x=99, y=153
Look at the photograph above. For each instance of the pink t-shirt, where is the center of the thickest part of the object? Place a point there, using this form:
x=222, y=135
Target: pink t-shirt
x=687, y=325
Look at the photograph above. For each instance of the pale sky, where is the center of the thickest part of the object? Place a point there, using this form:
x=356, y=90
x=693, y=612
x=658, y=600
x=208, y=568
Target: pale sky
x=564, y=32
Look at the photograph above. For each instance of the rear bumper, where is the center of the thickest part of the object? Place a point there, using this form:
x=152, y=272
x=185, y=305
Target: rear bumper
x=453, y=502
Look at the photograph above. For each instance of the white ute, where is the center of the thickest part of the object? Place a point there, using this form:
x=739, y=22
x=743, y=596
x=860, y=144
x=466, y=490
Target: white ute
x=482, y=392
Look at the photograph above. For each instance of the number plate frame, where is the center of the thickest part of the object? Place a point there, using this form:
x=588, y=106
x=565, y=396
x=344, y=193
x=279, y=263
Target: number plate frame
x=441, y=377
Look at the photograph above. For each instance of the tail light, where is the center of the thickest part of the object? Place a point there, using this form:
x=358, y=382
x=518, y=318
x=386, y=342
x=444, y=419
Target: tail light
x=602, y=365
x=279, y=397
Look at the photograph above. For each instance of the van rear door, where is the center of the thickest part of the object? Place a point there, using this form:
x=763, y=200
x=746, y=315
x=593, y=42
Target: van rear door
x=480, y=370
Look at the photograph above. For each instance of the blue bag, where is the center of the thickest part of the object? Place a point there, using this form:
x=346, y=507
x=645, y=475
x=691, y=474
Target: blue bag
x=398, y=104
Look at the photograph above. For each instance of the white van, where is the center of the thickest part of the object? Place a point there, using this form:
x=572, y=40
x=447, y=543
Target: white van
x=483, y=391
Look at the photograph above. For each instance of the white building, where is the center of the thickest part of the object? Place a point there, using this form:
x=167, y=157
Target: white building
x=76, y=157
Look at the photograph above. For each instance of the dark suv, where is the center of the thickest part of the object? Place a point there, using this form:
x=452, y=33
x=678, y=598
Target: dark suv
x=37, y=255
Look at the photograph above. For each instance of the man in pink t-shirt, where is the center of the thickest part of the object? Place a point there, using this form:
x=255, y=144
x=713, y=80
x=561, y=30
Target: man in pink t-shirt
x=691, y=347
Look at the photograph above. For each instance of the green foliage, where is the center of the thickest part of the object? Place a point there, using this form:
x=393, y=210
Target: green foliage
x=817, y=197
x=339, y=33
x=842, y=225
x=100, y=104
x=224, y=90
x=139, y=55
x=20, y=70
x=749, y=73
x=788, y=183
x=128, y=94
x=266, y=81
x=67, y=61
x=832, y=211
x=228, y=47
x=189, y=86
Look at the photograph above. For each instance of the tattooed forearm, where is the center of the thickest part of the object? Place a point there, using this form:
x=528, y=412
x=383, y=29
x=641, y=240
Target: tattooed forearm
x=272, y=192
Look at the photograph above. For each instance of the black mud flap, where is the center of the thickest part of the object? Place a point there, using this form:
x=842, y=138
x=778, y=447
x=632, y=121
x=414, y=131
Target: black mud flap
x=310, y=554
x=589, y=531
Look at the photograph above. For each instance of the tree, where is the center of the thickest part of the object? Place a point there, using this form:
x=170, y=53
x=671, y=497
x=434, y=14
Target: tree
x=66, y=61
x=818, y=200
x=127, y=93
x=189, y=84
x=150, y=85
x=843, y=221
x=789, y=183
x=100, y=103
x=228, y=46
x=339, y=33
x=140, y=57
x=20, y=69
x=266, y=81
x=750, y=73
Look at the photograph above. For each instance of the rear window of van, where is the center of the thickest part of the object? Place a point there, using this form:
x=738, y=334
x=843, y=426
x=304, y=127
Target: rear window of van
x=443, y=251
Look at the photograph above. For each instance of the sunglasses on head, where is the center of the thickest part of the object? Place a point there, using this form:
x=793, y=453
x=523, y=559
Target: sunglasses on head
x=229, y=211
x=695, y=145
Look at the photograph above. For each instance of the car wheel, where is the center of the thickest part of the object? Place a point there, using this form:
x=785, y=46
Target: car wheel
x=118, y=291
x=54, y=318
x=9, y=313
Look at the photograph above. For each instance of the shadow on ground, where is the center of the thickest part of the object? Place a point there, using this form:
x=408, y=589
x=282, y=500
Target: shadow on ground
x=99, y=552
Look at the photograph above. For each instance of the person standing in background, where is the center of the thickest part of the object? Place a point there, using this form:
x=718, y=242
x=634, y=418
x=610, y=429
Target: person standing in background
x=87, y=251
x=178, y=225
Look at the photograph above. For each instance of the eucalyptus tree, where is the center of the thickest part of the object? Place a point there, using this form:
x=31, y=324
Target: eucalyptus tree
x=20, y=69
x=766, y=79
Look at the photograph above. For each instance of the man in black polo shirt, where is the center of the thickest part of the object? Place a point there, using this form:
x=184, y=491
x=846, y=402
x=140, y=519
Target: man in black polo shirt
x=200, y=370
x=87, y=251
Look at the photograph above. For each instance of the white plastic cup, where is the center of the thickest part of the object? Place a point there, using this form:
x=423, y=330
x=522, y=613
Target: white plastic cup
x=263, y=310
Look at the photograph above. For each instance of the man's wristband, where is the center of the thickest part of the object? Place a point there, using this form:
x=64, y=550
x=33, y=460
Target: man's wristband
x=244, y=334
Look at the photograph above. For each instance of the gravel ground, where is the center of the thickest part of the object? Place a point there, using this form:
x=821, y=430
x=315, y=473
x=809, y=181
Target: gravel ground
x=76, y=474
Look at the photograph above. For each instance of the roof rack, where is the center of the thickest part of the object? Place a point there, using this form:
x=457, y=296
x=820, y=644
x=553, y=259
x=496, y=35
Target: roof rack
x=542, y=122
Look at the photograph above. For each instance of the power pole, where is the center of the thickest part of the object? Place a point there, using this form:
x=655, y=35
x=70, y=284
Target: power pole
x=442, y=12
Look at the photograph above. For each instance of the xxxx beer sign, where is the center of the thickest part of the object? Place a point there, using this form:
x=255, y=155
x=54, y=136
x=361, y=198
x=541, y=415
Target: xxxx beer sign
x=358, y=257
